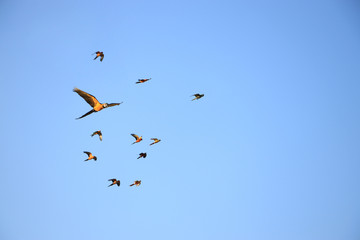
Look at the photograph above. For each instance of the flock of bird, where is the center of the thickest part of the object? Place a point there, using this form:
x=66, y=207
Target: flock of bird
x=97, y=106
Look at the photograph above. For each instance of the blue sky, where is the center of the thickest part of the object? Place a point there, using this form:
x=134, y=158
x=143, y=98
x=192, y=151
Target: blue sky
x=270, y=152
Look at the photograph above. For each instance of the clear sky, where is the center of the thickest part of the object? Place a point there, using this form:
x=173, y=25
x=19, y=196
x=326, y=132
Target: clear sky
x=271, y=152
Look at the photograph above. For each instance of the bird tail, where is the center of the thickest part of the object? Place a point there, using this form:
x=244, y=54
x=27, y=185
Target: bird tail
x=132, y=184
x=96, y=57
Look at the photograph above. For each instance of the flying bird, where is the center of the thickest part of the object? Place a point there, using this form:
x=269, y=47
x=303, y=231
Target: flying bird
x=94, y=103
x=155, y=141
x=197, y=96
x=90, y=156
x=143, y=80
x=97, y=133
x=114, y=181
x=138, y=139
x=137, y=183
x=99, y=54
x=142, y=155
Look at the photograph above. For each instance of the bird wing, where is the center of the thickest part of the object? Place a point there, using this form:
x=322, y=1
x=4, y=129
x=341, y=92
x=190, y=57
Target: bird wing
x=102, y=57
x=88, y=153
x=118, y=182
x=88, y=113
x=94, y=133
x=113, y=179
x=113, y=104
x=155, y=139
x=90, y=99
x=135, y=136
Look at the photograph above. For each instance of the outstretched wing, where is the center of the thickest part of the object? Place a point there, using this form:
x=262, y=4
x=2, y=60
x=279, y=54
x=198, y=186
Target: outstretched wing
x=155, y=139
x=90, y=99
x=113, y=104
x=113, y=179
x=88, y=113
x=118, y=182
x=88, y=153
x=135, y=136
x=102, y=57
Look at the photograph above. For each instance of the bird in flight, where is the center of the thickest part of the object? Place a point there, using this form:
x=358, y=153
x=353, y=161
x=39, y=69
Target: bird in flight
x=143, y=80
x=138, y=139
x=197, y=96
x=97, y=133
x=93, y=102
x=155, y=141
x=99, y=54
x=114, y=181
x=90, y=156
x=142, y=155
x=137, y=183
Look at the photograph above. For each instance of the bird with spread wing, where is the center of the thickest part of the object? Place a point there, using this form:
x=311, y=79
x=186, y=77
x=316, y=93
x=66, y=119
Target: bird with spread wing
x=137, y=183
x=97, y=133
x=90, y=156
x=138, y=139
x=114, y=181
x=142, y=155
x=93, y=102
x=143, y=80
x=197, y=96
x=99, y=54
x=155, y=141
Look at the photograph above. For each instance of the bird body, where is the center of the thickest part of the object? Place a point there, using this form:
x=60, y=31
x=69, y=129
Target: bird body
x=114, y=181
x=137, y=183
x=138, y=139
x=93, y=102
x=90, y=156
x=155, y=141
x=97, y=133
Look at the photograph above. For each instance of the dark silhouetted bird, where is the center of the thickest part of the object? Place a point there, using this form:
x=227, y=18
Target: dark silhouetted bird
x=90, y=156
x=142, y=155
x=155, y=141
x=143, y=80
x=137, y=183
x=114, y=181
x=97, y=133
x=93, y=102
x=138, y=139
x=99, y=54
x=197, y=96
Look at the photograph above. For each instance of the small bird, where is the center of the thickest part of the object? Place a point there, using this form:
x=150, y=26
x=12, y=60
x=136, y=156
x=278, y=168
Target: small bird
x=142, y=155
x=197, y=96
x=114, y=181
x=138, y=139
x=143, y=80
x=99, y=54
x=97, y=133
x=155, y=141
x=93, y=102
x=137, y=183
x=90, y=156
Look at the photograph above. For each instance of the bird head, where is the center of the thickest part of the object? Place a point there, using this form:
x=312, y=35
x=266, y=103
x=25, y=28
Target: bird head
x=105, y=105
